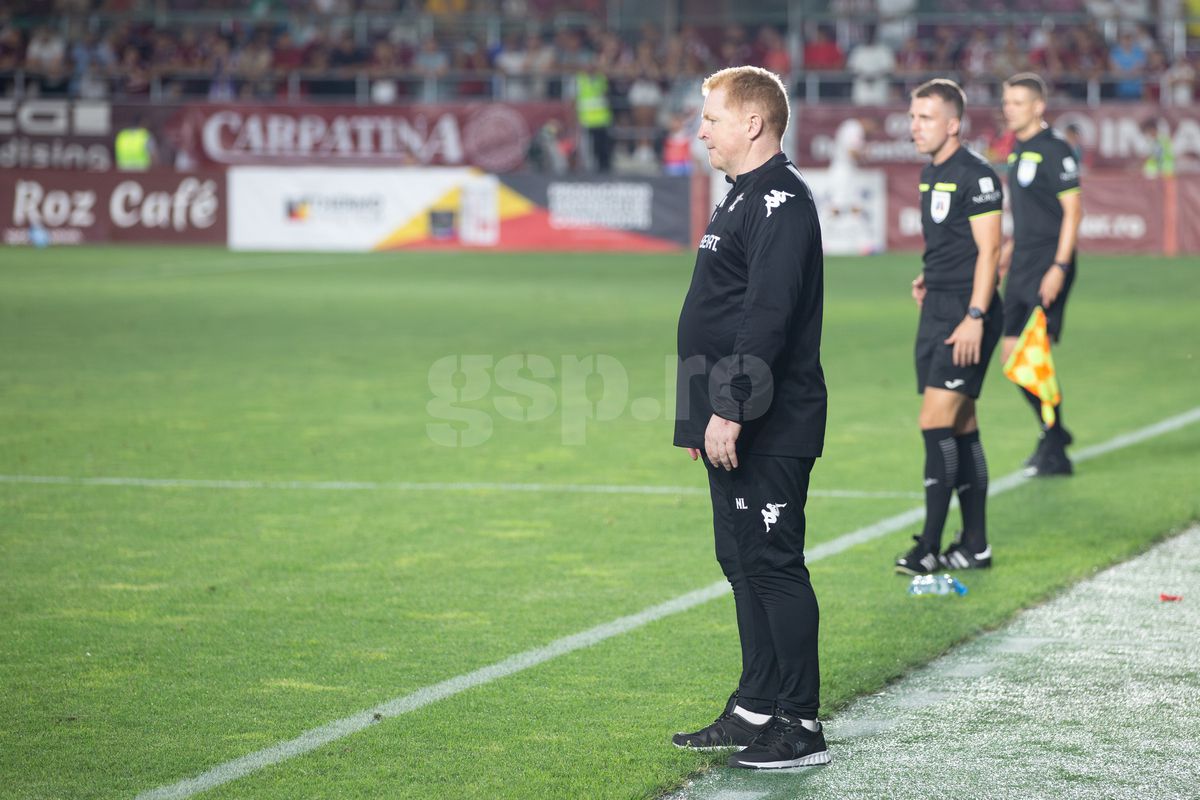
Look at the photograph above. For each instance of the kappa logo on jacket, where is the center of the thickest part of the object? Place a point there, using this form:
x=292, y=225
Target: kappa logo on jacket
x=775, y=198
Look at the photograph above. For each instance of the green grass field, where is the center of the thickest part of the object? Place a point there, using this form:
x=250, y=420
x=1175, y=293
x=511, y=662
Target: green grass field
x=149, y=632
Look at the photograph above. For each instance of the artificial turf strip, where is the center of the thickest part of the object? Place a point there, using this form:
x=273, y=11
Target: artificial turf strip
x=220, y=622
x=1092, y=694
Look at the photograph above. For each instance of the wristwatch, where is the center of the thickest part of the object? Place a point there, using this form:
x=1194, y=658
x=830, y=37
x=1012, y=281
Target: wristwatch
x=975, y=312
x=1066, y=268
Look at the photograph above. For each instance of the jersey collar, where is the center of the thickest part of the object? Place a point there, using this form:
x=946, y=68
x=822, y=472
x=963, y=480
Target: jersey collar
x=747, y=177
x=953, y=159
x=1043, y=132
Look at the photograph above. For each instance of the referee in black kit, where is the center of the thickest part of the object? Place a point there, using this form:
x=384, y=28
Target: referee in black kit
x=961, y=322
x=1043, y=182
x=751, y=399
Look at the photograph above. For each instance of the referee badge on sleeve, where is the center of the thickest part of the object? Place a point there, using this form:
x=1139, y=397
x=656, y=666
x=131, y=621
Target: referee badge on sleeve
x=939, y=205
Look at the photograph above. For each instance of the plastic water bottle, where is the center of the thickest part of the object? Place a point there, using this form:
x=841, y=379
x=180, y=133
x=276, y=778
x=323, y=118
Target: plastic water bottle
x=944, y=584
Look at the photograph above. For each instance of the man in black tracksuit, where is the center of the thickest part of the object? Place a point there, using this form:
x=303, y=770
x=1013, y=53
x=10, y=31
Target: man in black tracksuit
x=960, y=326
x=751, y=398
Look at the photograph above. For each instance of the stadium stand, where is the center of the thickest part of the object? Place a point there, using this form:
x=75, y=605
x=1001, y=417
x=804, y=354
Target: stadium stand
x=405, y=51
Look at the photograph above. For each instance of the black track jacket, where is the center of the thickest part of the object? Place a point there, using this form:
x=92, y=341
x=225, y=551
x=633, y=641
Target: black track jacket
x=750, y=329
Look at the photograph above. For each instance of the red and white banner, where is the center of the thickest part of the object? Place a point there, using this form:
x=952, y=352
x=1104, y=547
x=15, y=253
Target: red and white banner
x=494, y=137
x=78, y=134
x=1187, y=215
x=70, y=207
x=904, y=209
x=1122, y=213
x=1111, y=135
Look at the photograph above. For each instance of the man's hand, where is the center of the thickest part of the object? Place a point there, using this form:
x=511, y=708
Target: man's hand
x=719, y=440
x=967, y=339
x=1052, y=284
x=918, y=289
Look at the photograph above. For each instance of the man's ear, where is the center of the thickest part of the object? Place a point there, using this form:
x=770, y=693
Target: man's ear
x=754, y=125
x=955, y=126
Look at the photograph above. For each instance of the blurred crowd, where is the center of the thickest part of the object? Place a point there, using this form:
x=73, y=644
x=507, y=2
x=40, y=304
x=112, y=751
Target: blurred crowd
x=92, y=47
x=857, y=51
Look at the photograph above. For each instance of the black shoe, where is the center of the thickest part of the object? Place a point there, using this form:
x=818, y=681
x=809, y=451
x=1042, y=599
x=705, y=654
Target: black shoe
x=1044, y=441
x=918, y=561
x=1032, y=458
x=726, y=731
x=785, y=743
x=959, y=556
x=1051, y=461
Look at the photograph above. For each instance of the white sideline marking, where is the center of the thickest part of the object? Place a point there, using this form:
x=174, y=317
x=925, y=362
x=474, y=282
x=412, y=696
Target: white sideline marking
x=409, y=486
x=339, y=729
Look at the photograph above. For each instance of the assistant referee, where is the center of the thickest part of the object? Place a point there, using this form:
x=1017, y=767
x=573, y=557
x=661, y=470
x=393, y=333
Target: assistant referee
x=1043, y=182
x=751, y=399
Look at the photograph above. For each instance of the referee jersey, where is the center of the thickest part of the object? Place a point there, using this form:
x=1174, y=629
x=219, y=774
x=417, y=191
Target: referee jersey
x=960, y=189
x=1041, y=170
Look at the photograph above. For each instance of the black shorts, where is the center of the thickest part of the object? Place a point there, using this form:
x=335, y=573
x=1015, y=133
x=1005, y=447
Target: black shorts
x=1021, y=292
x=941, y=313
x=758, y=514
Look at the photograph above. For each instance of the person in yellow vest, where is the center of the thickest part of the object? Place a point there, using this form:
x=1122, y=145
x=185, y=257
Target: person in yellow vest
x=595, y=114
x=1161, y=162
x=134, y=148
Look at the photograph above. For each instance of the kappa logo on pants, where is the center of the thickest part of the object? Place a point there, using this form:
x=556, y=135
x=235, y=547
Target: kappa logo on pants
x=771, y=514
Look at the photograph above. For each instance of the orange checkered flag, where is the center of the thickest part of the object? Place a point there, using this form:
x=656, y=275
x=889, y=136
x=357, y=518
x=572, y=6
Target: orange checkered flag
x=1031, y=367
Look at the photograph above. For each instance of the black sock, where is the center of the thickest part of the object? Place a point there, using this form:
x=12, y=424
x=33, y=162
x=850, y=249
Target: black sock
x=972, y=490
x=1056, y=433
x=941, y=472
x=1035, y=403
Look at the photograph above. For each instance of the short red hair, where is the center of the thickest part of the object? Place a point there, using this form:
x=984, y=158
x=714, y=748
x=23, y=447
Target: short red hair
x=756, y=87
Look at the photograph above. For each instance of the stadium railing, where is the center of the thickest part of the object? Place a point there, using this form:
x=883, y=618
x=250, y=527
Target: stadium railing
x=370, y=86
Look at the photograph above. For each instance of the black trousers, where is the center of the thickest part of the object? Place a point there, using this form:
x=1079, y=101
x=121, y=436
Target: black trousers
x=601, y=143
x=758, y=522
